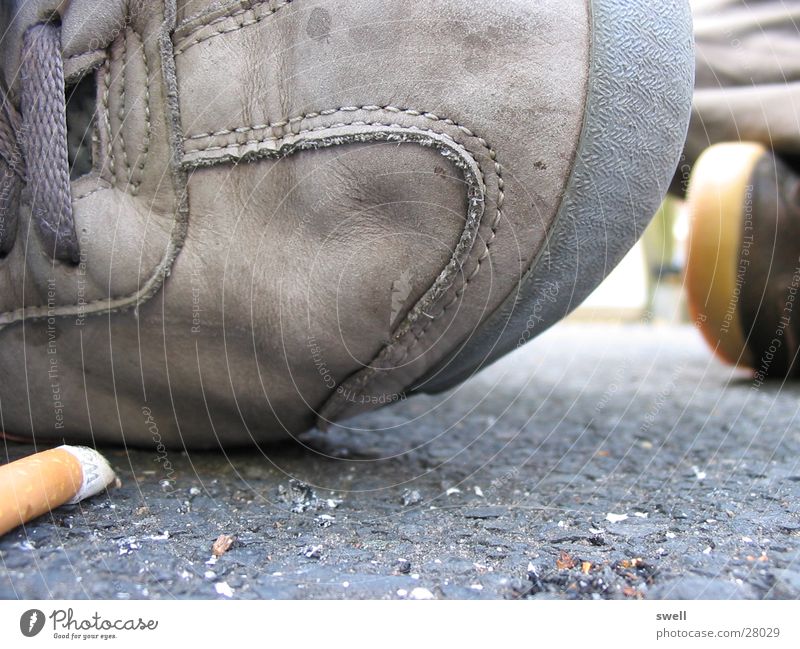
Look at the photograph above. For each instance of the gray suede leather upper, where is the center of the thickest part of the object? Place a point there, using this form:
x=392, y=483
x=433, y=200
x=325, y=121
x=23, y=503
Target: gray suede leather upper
x=300, y=209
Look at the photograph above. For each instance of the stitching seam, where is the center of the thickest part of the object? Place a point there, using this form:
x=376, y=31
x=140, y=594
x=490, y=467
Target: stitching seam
x=345, y=109
x=121, y=111
x=136, y=174
x=404, y=350
x=38, y=312
x=107, y=113
x=460, y=291
x=258, y=12
x=115, y=304
x=132, y=175
x=214, y=15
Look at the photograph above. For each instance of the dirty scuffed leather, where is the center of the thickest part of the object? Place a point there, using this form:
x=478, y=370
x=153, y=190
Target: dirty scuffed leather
x=296, y=209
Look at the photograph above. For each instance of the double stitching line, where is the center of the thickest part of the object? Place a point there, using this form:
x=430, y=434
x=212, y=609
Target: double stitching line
x=361, y=379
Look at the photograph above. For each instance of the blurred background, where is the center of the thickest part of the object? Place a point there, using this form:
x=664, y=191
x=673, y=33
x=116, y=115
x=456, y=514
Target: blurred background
x=647, y=284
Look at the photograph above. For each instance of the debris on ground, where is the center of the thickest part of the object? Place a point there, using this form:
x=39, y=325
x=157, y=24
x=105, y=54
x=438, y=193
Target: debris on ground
x=565, y=562
x=546, y=491
x=312, y=551
x=580, y=578
x=223, y=543
x=298, y=495
x=402, y=567
x=411, y=497
x=420, y=593
x=616, y=518
x=164, y=536
x=128, y=545
x=301, y=497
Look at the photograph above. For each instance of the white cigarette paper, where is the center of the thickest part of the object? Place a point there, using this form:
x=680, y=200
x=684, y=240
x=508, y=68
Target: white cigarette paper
x=39, y=483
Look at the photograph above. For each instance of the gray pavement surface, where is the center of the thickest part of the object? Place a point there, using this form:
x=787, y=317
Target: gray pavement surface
x=597, y=462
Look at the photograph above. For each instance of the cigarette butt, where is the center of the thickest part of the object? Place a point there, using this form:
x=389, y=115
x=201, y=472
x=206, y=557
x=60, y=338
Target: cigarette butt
x=43, y=481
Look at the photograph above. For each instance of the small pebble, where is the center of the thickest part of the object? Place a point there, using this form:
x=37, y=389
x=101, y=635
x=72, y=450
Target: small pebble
x=420, y=593
x=223, y=543
x=325, y=520
x=616, y=518
x=402, y=567
x=312, y=551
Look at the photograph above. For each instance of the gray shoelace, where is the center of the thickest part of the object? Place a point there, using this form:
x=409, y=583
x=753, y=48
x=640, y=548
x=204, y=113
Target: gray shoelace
x=33, y=148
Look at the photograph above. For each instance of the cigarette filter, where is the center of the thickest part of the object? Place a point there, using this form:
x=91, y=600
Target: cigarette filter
x=43, y=481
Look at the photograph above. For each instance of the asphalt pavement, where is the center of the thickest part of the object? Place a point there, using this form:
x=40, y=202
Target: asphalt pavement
x=599, y=461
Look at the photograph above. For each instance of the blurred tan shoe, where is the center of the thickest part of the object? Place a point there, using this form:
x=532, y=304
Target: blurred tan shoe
x=743, y=266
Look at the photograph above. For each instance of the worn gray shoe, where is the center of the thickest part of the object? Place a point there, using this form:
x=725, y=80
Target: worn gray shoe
x=295, y=211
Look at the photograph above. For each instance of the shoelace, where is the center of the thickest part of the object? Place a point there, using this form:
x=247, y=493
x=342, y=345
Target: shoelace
x=33, y=148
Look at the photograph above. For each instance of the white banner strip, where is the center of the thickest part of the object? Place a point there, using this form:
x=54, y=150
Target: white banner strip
x=399, y=624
